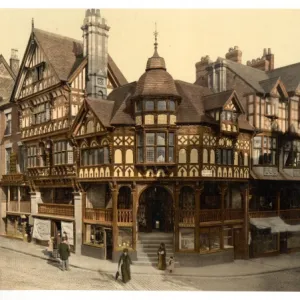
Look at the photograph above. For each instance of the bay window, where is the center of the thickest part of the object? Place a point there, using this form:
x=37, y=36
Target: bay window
x=264, y=150
x=292, y=154
x=94, y=156
x=156, y=147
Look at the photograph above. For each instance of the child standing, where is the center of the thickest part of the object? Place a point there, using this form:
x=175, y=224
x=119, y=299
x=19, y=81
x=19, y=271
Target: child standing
x=171, y=264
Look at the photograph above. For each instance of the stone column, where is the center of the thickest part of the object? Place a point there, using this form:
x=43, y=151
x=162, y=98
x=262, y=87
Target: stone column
x=35, y=199
x=176, y=211
x=78, y=221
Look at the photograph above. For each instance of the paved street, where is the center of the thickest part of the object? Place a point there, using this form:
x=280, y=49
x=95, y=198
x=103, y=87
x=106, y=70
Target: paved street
x=22, y=272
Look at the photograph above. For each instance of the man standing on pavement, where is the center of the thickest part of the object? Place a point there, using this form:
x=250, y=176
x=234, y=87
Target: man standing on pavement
x=64, y=252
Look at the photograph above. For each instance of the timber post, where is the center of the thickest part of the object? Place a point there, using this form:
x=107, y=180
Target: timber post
x=222, y=190
x=198, y=193
x=115, y=193
x=134, y=216
x=246, y=221
x=176, y=225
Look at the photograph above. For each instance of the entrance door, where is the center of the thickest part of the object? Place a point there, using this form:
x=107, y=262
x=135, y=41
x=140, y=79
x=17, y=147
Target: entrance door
x=155, y=211
x=239, y=243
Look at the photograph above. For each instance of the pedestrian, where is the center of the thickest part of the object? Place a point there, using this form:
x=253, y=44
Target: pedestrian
x=64, y=253
x=125, y=262
x=67, y=239
x=171, y=264
x=50, y=247
x=161, y=253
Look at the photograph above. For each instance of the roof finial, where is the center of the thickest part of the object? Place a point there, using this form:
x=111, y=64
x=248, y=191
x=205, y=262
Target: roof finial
x=155, y=44
x=32, y=24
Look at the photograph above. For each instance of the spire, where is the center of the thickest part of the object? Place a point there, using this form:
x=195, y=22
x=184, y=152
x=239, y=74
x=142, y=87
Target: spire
x=155, y=44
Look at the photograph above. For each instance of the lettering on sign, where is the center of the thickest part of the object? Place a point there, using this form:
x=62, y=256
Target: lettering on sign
x=206, y=173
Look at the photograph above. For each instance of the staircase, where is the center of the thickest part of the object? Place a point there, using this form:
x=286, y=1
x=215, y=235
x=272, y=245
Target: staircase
x=148, y=244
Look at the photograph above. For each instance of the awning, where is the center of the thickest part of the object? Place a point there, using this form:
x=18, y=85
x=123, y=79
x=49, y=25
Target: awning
x=276, y=224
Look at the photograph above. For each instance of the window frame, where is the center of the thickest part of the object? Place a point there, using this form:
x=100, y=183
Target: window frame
x=265, y=158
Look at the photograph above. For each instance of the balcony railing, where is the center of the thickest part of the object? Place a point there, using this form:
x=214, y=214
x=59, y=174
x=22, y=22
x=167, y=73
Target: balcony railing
x=124, y=216
x=262, y=214
x=187, y=216
x=233, y=214
x=98, y=214
x=210, y=215
x=56, y=209
x=25, y=206
x=290, y=214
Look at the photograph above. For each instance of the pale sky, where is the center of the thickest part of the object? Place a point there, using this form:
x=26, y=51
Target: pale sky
x=184, y=35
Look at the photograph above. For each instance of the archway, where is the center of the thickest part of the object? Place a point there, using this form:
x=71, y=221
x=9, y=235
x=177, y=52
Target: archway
x=155, y=211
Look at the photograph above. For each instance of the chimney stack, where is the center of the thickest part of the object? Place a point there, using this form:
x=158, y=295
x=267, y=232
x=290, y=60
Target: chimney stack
x=201, y=68
x=95, y=41
x=265, y=63
x=234, y=54
x=14, y=61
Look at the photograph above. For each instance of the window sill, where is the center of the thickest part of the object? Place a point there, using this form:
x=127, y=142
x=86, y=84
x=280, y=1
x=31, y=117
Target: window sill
x=7, y=135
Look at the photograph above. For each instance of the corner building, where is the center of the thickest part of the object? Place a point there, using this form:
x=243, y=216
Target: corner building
x=162, y=160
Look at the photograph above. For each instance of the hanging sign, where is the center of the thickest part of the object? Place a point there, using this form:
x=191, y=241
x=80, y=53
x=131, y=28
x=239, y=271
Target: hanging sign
x=41, y=229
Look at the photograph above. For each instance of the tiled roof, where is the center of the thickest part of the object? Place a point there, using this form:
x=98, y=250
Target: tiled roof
x=289, y=75
x=123, y=106
x=268, y=84
x=102, y=109
x=65, y=54
x=216, y=100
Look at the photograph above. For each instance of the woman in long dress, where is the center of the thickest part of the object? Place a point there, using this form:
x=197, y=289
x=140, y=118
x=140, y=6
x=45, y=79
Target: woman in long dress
x=125, y=262
x=162, y=264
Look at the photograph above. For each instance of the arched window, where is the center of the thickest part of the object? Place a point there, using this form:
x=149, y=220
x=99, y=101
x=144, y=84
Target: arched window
x=182, y=156
x=205, y=156
x=90, y=127
x=246, y=159
x=194, y=156
x=212, y=156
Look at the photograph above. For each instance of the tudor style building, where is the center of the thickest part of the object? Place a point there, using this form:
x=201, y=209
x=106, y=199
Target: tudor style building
x=271, y=101
x=55, y=75
x=169, y=156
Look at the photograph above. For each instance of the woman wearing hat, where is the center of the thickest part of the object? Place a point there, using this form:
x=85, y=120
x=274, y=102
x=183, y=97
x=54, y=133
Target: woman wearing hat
x=125, y=262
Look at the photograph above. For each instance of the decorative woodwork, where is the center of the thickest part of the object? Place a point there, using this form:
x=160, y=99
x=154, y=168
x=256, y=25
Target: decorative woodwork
x=56, y=209
x=101, y=215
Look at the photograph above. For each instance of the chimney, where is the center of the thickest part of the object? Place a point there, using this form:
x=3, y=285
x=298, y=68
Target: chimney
x=234, y=54
x=270, y=59
x=14, y=61
x=95, y=40
x=265, y=63
x=201, y=67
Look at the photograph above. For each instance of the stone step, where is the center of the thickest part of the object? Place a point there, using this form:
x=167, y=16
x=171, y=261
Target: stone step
x=154, y=241
x=150, y=257
x=153, y=251
x=149, y=263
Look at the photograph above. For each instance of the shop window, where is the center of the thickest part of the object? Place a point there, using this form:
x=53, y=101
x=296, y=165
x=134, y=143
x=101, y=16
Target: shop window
x=228, y=238
x=263, y=241
x=186, y=239
x=210, y=239
x=94, y=235
x=125, y=238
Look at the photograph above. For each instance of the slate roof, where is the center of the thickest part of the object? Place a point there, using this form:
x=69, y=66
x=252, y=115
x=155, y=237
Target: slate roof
x=102, y=109
x=65, y=54
x=269, y=84
x=6, y=83
x=216, y=100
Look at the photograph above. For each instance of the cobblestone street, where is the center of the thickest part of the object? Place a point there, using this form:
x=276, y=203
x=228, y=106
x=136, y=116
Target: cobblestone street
x=22, y=272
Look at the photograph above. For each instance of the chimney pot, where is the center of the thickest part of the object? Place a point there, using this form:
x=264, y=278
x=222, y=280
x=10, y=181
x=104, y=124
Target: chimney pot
x=269, y=51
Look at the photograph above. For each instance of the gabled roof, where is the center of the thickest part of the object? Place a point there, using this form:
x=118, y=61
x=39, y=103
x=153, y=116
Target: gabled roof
x=269, y=84
x=102, y=109
x=6, y=83
x=289, y=75
x=65, y=54
x=218, y=100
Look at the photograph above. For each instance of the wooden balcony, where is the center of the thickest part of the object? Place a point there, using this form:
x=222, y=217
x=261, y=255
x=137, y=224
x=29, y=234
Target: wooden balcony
x=263, y=214
x=233, y=214
x=210, y=215
x=290, y=214
x=187, y=217
x=98, y=215
x=56, y=209
x=25, y=207
x=125, y=217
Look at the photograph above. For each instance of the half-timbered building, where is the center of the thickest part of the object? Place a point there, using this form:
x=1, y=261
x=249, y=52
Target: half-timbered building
x=162, y=160
x=55, y=75
x=271, y=100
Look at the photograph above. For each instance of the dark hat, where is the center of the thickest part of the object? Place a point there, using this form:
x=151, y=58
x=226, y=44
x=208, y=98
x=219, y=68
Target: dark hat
x=125, y=250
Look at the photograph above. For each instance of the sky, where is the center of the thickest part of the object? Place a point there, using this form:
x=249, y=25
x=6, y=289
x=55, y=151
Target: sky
x=185, y=35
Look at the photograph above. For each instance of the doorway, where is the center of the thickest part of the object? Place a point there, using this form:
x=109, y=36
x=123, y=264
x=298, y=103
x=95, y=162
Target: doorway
x=155, y=212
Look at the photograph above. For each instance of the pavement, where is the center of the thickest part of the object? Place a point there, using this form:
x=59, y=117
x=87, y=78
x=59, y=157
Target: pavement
x=237, y=268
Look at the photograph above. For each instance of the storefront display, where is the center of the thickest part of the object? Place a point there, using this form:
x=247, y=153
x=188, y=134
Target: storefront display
x=94, y=235
x=228, y=237
x=125, y=238
x=210, y=239
x=186, y=239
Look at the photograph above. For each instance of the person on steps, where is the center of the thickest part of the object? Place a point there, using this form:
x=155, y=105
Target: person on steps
x=161, y=253
x=125, y=262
